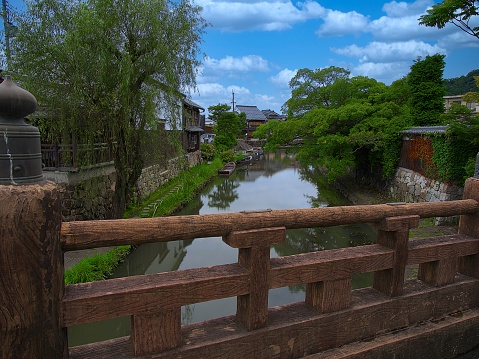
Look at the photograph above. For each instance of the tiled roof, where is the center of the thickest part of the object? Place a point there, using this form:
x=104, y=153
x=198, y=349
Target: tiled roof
x=269, y=113
x=425, y=129
x=194, y=129
x=192, y=104
x=252, y=113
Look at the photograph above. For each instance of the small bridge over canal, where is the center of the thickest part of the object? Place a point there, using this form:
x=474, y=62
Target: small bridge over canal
x=435, y=315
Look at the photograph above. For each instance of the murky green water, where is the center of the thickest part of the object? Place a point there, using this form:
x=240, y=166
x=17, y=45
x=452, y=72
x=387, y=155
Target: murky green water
x=273, y=182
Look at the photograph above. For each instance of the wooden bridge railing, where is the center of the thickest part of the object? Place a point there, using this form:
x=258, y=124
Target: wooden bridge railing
x=332, y=315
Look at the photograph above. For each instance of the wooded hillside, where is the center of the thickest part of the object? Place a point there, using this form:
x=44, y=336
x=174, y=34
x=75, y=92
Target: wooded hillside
x=461, y=85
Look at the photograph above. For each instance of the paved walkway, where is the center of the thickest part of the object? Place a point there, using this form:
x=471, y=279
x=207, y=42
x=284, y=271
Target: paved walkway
x=73, y=257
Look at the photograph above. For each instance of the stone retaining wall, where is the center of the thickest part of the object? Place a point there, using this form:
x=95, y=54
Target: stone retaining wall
x=87, y=193
x=153, y=177
x=410, y=186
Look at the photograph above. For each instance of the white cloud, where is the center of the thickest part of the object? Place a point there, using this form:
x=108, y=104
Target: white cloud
x=211, y=89
x=337, y=23
x=376, y=52
x=238, y=90
x=399, y=29
x=283, y=77
x=401, y=9
x=458, y=39
x=263, y=15
x=249, y=63
x=384, y=72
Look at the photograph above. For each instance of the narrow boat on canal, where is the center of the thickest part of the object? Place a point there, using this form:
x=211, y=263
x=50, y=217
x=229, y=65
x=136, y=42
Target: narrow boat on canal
x=227, y=169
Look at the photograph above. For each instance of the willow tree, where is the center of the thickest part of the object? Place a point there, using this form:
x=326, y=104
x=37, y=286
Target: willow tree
x=104, y=70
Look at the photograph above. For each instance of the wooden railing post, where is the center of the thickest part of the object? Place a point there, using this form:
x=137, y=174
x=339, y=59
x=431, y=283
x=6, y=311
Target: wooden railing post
x=31, y=272
x=469, y=225
x=254, y=255
x=156, y=332
x=394, y=233
x=329, y=296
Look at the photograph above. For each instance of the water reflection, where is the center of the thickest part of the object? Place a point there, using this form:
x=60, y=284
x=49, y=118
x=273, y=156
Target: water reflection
x=275, y=181
x=223, y=194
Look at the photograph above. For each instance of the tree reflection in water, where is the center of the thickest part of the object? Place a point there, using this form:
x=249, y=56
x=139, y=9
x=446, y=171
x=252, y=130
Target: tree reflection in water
x=223, y=194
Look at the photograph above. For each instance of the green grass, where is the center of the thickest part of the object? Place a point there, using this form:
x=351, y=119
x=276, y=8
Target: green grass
x=165, y=201
x=97, y=267
x=177, y=192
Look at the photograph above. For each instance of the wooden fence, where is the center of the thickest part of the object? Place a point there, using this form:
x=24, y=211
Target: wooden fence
x=439, y=309
x=56, y=156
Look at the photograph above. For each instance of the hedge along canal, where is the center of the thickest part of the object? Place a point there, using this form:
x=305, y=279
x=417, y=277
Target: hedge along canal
x=274, y=182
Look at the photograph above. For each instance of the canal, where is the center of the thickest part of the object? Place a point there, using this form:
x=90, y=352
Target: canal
x=273, y=182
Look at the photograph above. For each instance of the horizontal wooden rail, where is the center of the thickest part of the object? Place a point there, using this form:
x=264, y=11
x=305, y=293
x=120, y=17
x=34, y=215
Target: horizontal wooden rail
x=154, y=301
x=333, y=264
x=142, y=294
x=425, y=250
x=89, y=302
x=94, y=234
x=296, y=330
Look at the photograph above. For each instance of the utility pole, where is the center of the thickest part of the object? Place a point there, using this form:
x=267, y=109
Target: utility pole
x=232, y=92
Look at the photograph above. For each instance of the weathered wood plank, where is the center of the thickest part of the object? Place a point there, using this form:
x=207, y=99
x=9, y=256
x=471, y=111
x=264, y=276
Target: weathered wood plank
x=334, y=264
x=105, y=233
x=83, y=302
x=329, y=296
x=469, y=225
x=394, y=234
x=156, y=332
x=469, y=265
x=297, y=330
x=424, y=250
x=31, y=272
x=398, y=224
x=252, y=308
x=469, y=222
x=255, y=237
x=141, y=295
x=438, y=273
x=448, y=337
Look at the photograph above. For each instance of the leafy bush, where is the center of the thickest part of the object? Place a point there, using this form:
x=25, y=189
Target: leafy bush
x=227, y=156
x=207, y=151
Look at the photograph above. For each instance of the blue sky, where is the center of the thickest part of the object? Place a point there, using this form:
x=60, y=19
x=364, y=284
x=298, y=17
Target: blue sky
x=254, y=47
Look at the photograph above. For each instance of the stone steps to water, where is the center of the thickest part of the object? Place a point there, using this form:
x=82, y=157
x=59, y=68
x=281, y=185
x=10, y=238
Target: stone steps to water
x=150, y=210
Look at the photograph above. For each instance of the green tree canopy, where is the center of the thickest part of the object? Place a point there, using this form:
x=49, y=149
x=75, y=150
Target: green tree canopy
x=215, y=111
x=228, y=127
x=101, y=69
x=427, y=90
x=362, y=131
x=457, y=12
x=313, y=88
x=461, y=85
x=473, y=96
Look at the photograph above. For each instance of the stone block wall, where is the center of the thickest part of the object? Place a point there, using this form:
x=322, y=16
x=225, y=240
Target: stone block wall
x=410, y=186
x=153, y=177
x=87, y=193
